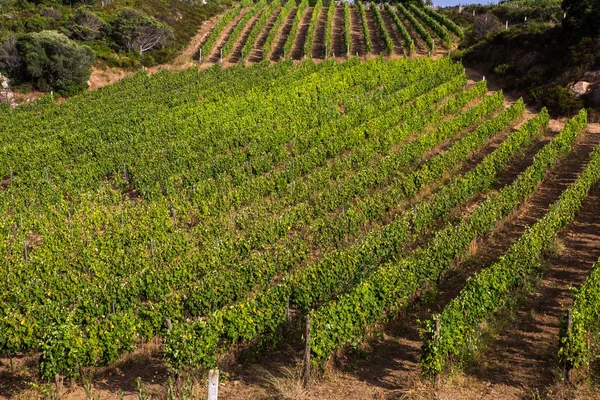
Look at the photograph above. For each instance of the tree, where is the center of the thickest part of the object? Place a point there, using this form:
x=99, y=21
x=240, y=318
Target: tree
x=135, y=30
x=85, y=25
x=486, y=24
x=583, y=17
x=10, y=59
x=54, y=61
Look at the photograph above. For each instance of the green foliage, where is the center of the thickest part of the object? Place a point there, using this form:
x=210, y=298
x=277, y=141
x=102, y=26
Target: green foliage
x=365, y=27
x=417, y=26
x=347, y=29
x=583, y=17
x=259, y=26
x=561, y=101
x=241, y=24
x=281, y=18
x=135, y=31
x=578, y=341
x=387, y=39
x=409, y=44
x=329, y=28
x=447, y=22
x=492, y=289
x=51, y=60
x=435, y=26
x=287, y=48
x=310, y=35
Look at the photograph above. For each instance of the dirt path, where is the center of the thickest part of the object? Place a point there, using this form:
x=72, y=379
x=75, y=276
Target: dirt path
x=318, y=50
x=337, y=32
x=376, y=39
x=223, y=38
x=257, y=52
x=236, y=54
x=393, y=31
x=358, y=44
x=281, y=37
x=300, y=39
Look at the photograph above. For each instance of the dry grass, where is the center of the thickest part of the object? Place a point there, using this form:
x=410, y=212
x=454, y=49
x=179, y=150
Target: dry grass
x=288, y=383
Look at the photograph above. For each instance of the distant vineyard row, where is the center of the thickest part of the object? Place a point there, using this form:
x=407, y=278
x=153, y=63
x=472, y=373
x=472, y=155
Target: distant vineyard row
x=270, y=30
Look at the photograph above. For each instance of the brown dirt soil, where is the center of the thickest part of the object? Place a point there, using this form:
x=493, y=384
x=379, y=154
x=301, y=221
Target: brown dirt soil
x=318, y=50
x=236, y=53
x=281, y=37
x=358, y=45
x=337, y=33
x=393, y=31
x=214, y=56
x=300, y=39
x=420, y=46
x=376, y=39
x=257, y=52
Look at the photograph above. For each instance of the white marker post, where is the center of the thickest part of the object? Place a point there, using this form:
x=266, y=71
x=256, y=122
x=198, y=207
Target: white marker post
x=506, y=24
x=213, y=384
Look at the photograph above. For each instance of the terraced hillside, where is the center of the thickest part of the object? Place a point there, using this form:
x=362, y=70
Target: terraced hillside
x=214, y=212
x=298, y=30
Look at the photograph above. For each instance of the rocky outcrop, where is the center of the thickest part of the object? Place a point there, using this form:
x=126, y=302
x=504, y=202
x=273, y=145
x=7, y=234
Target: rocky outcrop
x=6, y=94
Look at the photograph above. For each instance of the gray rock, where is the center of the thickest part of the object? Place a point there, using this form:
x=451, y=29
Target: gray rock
x=580, y=87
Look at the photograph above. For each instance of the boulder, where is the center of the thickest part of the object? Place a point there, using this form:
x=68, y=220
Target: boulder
x=580, y=88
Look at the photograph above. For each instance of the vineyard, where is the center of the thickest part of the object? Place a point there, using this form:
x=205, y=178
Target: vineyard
x=221, y=212
x=272, y=31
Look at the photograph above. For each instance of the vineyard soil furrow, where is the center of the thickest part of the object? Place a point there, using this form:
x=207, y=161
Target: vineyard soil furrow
x=257, y=54
x=318, y=50
x=420, y=45
x=525, y=355
x=236, y=54
x=358, y=45
x=393, y=31
x=300, y=39
x=376, y=39
x=281, y=37
x=337, y=33
x=224, y=37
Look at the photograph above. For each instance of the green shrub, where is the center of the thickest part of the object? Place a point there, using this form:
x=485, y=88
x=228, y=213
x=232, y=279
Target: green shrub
x=560, y=101
x=53, y=61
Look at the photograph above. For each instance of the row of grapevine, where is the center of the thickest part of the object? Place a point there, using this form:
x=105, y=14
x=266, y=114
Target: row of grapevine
x=262, y=312
x=310, y=35
x=287, y=48
x=493, y=289
x=289, y=82
x=313, y=220
x=239, y=27
x=432, y=23
x=365, y=27
x=390, y=286
x=125, y=263
x=579, y=331
x=259, y=26
x=208, y=45
x=417, y=26
x=383, y=32
x=281, y=18
x=347, y=29
x=329, y=28
x=409, y=44
x=447, y=22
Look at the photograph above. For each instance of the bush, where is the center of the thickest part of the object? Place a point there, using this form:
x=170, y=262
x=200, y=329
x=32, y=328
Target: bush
x=53, y=61
x=560, y=101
